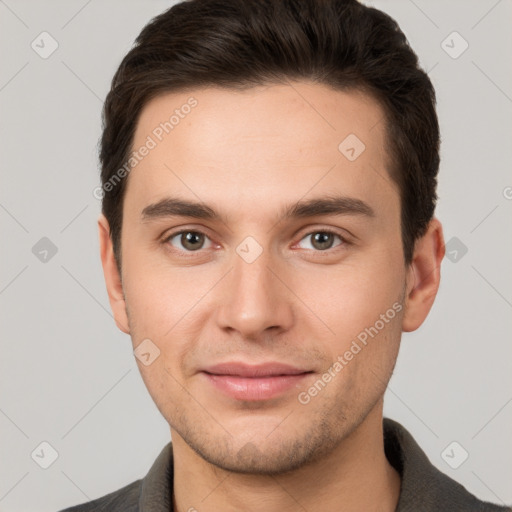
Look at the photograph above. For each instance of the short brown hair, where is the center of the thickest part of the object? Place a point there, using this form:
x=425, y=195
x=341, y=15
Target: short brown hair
x=243, y=43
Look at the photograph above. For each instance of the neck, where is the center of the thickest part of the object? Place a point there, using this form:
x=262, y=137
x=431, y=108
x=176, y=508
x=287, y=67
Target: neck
x=356, y=474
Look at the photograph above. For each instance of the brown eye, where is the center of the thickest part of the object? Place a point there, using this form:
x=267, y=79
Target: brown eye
x=189, y=240
x=322, y=240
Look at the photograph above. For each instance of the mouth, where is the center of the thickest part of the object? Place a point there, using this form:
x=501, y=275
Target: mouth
x=254, y=382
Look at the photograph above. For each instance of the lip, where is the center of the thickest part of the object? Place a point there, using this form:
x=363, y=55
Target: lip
x=254, y=382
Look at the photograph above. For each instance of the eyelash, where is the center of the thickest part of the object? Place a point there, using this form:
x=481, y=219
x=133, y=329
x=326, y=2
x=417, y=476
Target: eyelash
x=344, y=241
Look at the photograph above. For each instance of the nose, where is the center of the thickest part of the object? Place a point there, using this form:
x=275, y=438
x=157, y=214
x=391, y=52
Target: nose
x=256, y=301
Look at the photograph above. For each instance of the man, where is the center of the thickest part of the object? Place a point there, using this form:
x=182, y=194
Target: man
x=268, y=232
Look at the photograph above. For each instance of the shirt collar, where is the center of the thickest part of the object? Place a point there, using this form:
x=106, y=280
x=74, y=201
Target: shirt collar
x=422, y=484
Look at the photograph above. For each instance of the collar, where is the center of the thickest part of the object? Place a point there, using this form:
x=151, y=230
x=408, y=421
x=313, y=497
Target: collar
x=423, y=486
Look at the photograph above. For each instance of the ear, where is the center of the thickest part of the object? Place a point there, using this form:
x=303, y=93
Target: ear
x=423, y=276
x=112, y=277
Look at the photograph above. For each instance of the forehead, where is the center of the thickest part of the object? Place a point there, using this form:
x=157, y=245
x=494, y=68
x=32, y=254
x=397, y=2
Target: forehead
x=260, y=141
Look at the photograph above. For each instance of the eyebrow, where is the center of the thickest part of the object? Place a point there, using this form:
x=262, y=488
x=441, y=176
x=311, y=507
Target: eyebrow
x=330, y=205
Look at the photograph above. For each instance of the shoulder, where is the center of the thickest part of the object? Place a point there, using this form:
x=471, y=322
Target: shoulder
x=153, y=492
x=125, y=499
x=423, y=486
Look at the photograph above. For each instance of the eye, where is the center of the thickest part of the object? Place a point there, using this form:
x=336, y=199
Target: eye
x=323, y=239
x=190, y=240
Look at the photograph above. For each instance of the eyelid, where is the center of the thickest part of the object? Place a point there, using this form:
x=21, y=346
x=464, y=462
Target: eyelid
x=166, y=238
x=345, y=240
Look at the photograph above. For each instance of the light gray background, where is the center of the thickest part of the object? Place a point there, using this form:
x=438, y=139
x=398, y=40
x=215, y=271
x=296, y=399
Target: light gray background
x=68, y=375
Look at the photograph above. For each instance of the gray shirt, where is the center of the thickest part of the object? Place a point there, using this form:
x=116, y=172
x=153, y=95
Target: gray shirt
x=423, y=487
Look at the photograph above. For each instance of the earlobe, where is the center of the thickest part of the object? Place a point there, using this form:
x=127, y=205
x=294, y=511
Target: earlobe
x=112, y=278
x=423, y=277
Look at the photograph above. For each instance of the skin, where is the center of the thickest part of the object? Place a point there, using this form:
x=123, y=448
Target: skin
x=248, y=155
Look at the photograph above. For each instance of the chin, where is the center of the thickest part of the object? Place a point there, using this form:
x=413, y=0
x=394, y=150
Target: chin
x=265, y=453
x=252, y=460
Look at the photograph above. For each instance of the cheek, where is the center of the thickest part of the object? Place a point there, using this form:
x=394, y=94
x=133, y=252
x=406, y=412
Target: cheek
x=160, y=296
x=351, y=297
x=167, y=306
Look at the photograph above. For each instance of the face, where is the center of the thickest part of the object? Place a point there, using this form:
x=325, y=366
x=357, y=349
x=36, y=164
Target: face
x=264, y=262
